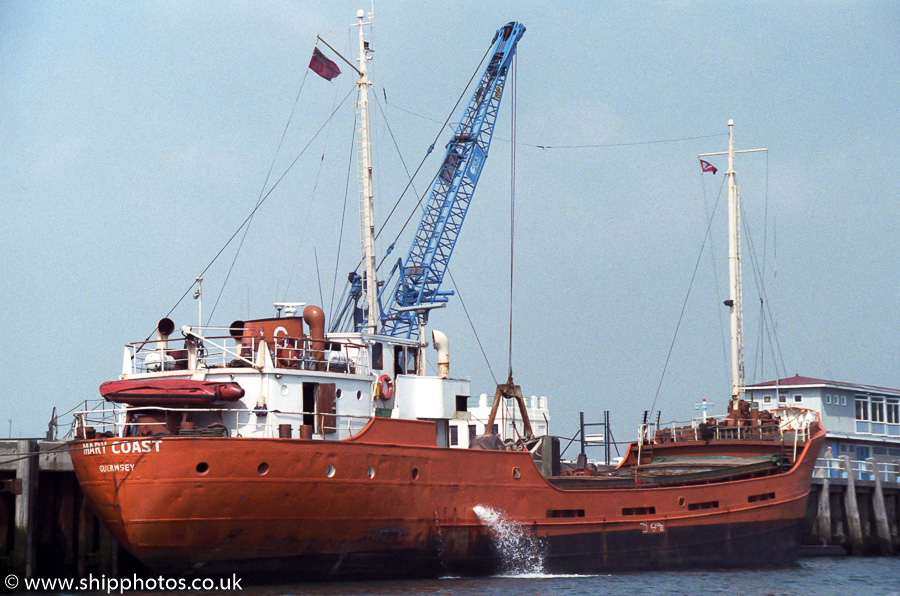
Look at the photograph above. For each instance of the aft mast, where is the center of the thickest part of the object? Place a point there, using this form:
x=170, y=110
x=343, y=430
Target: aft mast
x=735, y=278
x=364, y=155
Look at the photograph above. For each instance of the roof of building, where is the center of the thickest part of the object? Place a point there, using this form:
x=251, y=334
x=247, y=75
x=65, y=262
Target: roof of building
x=800, y=381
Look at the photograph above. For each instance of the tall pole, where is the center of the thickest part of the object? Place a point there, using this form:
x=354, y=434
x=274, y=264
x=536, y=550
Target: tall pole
x=365, y=177
x=734, y=274
x=735, y=291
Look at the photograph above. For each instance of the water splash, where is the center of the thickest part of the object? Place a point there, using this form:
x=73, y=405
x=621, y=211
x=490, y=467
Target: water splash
x=519, y=553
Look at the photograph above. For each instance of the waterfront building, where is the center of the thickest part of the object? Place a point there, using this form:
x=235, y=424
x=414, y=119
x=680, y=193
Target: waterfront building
x=863, y=421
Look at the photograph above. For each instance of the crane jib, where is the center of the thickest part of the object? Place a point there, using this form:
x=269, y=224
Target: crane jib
x=422, y=271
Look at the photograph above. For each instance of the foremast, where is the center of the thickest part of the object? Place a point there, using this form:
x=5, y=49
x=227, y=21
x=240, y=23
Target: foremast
x=735, y=277
x=364, y=155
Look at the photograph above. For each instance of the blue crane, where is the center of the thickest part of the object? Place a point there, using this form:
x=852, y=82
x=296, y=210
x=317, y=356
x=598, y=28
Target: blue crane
x=421, y=273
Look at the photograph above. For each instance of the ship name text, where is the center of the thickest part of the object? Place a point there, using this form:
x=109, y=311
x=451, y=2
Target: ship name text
x=122, y=447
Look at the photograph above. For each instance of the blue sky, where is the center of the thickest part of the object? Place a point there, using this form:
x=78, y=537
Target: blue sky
x=138, y=136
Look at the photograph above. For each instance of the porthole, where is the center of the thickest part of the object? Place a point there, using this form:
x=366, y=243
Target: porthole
x=681, y=501
x=516, y=473
x=284, y=390
x=329, y=471
x=338, y=393
x=202, y=468
x=415, y=473
x=262, y=469
x=371, y=472
x=359, y=395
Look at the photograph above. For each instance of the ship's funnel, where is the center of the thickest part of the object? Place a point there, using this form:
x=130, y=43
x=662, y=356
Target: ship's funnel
x=164, y=329
x=315, y=319
x=442, y=345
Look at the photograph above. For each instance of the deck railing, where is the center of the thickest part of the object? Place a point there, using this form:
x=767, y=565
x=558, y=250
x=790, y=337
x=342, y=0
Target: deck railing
x=219, y=349
x=122, y=421
x=790, y=427
x=834, y=467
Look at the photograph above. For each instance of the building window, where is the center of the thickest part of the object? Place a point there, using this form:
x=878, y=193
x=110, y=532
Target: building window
x=877, y=409
x=767, y=399
x=827, y=399
x=893, y=411
x=798, y=398
x=862, y=408
x=782, y=398
x=473, y=432
x=454, y=435
x=843, y=400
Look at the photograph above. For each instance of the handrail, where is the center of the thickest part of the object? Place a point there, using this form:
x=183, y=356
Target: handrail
x=833, y=467
x=86, y=419
x=217, y=355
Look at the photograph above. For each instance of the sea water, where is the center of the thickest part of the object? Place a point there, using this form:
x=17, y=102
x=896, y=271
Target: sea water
x=820, y=576
x=839, y=576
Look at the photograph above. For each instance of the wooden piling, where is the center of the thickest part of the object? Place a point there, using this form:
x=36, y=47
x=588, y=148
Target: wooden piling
x=851, y=509
x=27, y=473
x=823, y=516
x=882, y=529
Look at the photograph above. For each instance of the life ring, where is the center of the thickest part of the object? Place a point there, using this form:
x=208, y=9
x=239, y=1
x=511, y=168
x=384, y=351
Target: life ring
x=384, y=388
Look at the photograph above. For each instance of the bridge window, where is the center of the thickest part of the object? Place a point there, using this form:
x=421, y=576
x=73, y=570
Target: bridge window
x=377, y=356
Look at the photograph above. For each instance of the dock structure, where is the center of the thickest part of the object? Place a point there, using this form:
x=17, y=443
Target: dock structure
x=46, y=528
x=854, y=506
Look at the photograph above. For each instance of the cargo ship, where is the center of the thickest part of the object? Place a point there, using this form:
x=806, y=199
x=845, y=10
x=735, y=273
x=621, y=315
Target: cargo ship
x=277, y=448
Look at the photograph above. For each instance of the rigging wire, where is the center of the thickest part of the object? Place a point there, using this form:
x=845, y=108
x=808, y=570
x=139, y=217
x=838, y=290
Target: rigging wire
x=581, y=146
x=258, y=205
x=684, y=304
x=715, y=273
x=472, y=325
x=337, y=259
x=427, y=153
x=409, y=184
x=301, y=236
x=761, y=289
x=628, y=144
x=260, y=197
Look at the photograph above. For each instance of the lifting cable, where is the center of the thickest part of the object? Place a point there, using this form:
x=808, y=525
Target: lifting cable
x=512, y=207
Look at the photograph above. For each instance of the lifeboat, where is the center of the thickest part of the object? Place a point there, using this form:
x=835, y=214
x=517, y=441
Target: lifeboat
x=170, y=392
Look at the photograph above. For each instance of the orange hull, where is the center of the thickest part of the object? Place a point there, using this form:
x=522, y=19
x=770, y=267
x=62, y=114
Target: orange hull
x=389, y=503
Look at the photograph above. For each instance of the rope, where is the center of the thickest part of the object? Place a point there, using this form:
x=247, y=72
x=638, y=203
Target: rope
x=472, y=325
x=258, y=205
x=629, y=144
x=684, y=304
x=337, y=258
